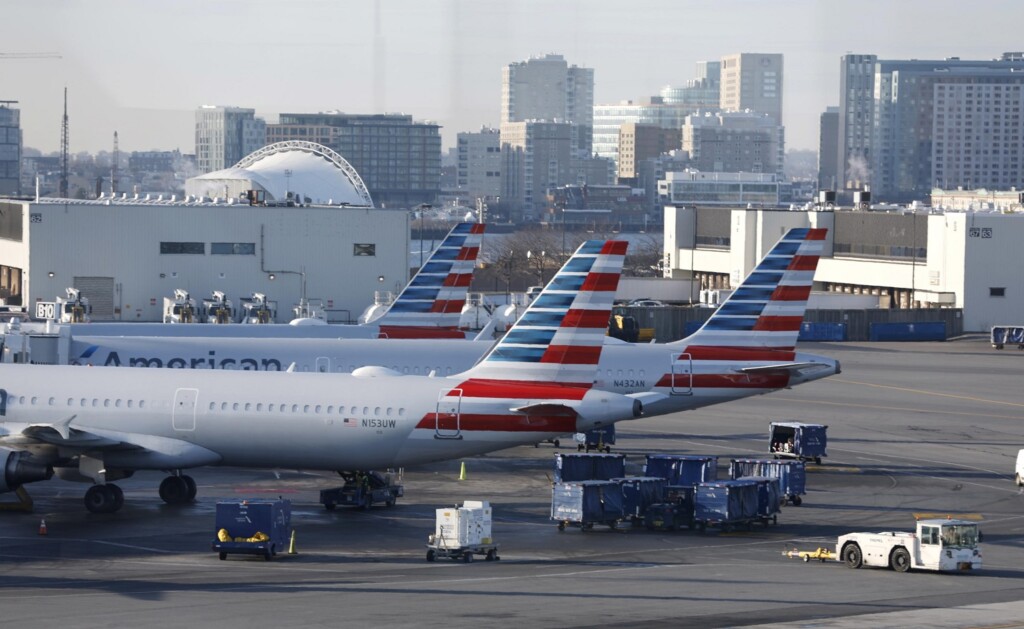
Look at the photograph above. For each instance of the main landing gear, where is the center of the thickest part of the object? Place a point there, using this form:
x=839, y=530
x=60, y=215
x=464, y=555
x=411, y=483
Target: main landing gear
x=108, y=498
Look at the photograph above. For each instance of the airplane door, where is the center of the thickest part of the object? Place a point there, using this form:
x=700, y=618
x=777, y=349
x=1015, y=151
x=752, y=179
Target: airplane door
x=447, y=415
x=323, y=364
x=681, y=370
x=183, y=415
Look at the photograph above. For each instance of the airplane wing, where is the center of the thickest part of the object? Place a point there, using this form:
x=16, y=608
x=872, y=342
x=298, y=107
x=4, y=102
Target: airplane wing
x=121, y=449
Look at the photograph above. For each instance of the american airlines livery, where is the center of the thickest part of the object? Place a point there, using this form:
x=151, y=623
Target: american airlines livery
x=748, y=347
x=428, y=307
x=101, y=425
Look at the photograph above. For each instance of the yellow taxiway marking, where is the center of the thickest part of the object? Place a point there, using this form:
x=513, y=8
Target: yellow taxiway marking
x=833, y=468
x=945, y=516
x=925, y=392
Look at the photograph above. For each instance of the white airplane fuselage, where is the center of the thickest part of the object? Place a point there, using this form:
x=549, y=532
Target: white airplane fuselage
x=187, y=418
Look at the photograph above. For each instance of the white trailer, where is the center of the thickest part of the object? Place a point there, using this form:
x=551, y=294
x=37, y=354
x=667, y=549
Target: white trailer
x=938, y=545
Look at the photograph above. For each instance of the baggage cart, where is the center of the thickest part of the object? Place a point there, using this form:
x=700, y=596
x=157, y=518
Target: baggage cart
x=586, y=503
x=675, y=512
x=726, y=504
x=362, y=489
x=571, y=467
x=1008, y=335
x=768, y=501
x=795, y=440
x=461, y=532
x=682, y=469
x=639, y=493
x=598, y=439
x=790, y=472
x=252, y=527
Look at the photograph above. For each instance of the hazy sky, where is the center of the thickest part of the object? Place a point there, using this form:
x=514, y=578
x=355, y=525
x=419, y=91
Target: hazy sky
x=142, y=67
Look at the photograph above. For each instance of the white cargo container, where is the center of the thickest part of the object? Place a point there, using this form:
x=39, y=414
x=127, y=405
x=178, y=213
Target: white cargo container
x=468, y=525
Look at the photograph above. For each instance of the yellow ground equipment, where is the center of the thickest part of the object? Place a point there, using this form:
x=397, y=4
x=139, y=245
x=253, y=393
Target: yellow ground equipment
x=821, y=554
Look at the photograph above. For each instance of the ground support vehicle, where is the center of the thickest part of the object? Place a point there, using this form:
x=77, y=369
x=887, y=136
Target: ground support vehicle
x=1007, y=335
x=937, y=545
x=682, y=469
x=572, y=467
x=362, y=489
x=598, y=439
x=638, y=494
x=726, y=504
x=586, y=503
x=252, y=527
x=795, y=440
x=821, y=554
x=462, y=532
x=791, y=473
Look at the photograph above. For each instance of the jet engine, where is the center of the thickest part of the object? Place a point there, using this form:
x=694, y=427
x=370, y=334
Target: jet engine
x=603, y=408
x=18, y=468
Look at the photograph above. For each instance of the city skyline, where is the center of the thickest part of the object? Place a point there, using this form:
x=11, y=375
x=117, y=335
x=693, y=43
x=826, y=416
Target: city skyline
x=143, y=68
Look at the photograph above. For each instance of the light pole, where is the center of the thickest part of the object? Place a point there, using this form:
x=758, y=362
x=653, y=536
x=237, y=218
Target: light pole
x=540, y=264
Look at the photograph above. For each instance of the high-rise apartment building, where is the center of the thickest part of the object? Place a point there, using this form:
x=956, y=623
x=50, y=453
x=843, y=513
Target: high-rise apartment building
x=608, y=121
x=10, y=149
x=224, y=135
x=478, y=165
x=399, y=159
x=535, y=156
x=752, y=81
x=740, y=141
x=889, y=134
x=549, y=89
x=638, y=142
x=828, y=136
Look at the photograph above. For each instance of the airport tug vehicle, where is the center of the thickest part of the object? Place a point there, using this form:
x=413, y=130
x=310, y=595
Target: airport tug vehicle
x=938, y=545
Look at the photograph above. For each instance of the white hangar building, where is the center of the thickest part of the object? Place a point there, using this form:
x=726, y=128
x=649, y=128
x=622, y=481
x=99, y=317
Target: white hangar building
x=126, y=254
x=909, y=258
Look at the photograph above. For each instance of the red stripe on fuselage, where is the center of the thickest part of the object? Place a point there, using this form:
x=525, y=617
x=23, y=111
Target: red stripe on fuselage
x=778, y=324
x=791, y=293
x=571, y=355
x=419, y=332
x=458, y=280
x=727, y=381
x=748, y=354
x=601, y=282
x=586, y=319
x=803, y=263
x=519, y=389
x=467, y=422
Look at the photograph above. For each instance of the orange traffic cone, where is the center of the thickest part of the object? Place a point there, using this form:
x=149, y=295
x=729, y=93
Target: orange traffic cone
x=42, y=527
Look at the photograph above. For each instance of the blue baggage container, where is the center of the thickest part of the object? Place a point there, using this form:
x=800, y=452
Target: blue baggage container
x=921, y=331
x=822, y=331
x=798, y=440
x=586, y=503
x=682, y=469
x=640, y=492
x=571, y=467
x=246, y=520
x=667, y=516
x=1007, y=335
x=725, y=503
x=768, y=498
x=791, y=474
x=597, y=439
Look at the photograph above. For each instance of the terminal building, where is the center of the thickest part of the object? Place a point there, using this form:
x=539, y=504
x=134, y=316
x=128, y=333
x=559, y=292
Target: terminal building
x=126, y=253
x=918, y=258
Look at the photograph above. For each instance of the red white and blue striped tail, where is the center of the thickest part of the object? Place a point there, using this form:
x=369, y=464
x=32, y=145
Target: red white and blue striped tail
x=768, y=307
x=558, y=339
x=435, y=296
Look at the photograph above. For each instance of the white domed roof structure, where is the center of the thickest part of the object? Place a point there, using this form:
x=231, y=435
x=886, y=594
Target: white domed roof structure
x=306, y=170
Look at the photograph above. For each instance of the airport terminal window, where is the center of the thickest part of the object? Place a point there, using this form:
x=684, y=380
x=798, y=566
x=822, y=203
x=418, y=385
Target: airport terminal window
x=233, y=248
x=183, y=248
x=997, y=292
x=364, y=249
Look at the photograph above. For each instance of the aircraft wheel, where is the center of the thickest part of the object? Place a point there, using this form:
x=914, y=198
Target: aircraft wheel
x=191, y=484
x=100, y=499
x=118, y=497
x=797, y=501
x=174, y=490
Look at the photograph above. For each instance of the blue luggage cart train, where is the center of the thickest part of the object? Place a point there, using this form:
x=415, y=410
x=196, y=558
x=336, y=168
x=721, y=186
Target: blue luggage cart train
x=795, y=440
x=790, y=473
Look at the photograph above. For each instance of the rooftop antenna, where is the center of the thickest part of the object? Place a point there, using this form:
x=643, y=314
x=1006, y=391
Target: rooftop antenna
x=64, y=150
x=113, y=166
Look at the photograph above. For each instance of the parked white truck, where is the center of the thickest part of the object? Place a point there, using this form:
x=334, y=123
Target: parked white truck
x=938, y=545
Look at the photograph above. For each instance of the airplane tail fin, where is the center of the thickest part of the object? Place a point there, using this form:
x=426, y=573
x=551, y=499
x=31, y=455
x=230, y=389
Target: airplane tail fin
x=766, y=311
x=431, y=304
x=558, y=339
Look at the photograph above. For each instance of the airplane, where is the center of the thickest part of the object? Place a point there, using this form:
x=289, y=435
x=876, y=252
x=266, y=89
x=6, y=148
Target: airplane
x=101, y=425
x=747, y=347
x=428, y=307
